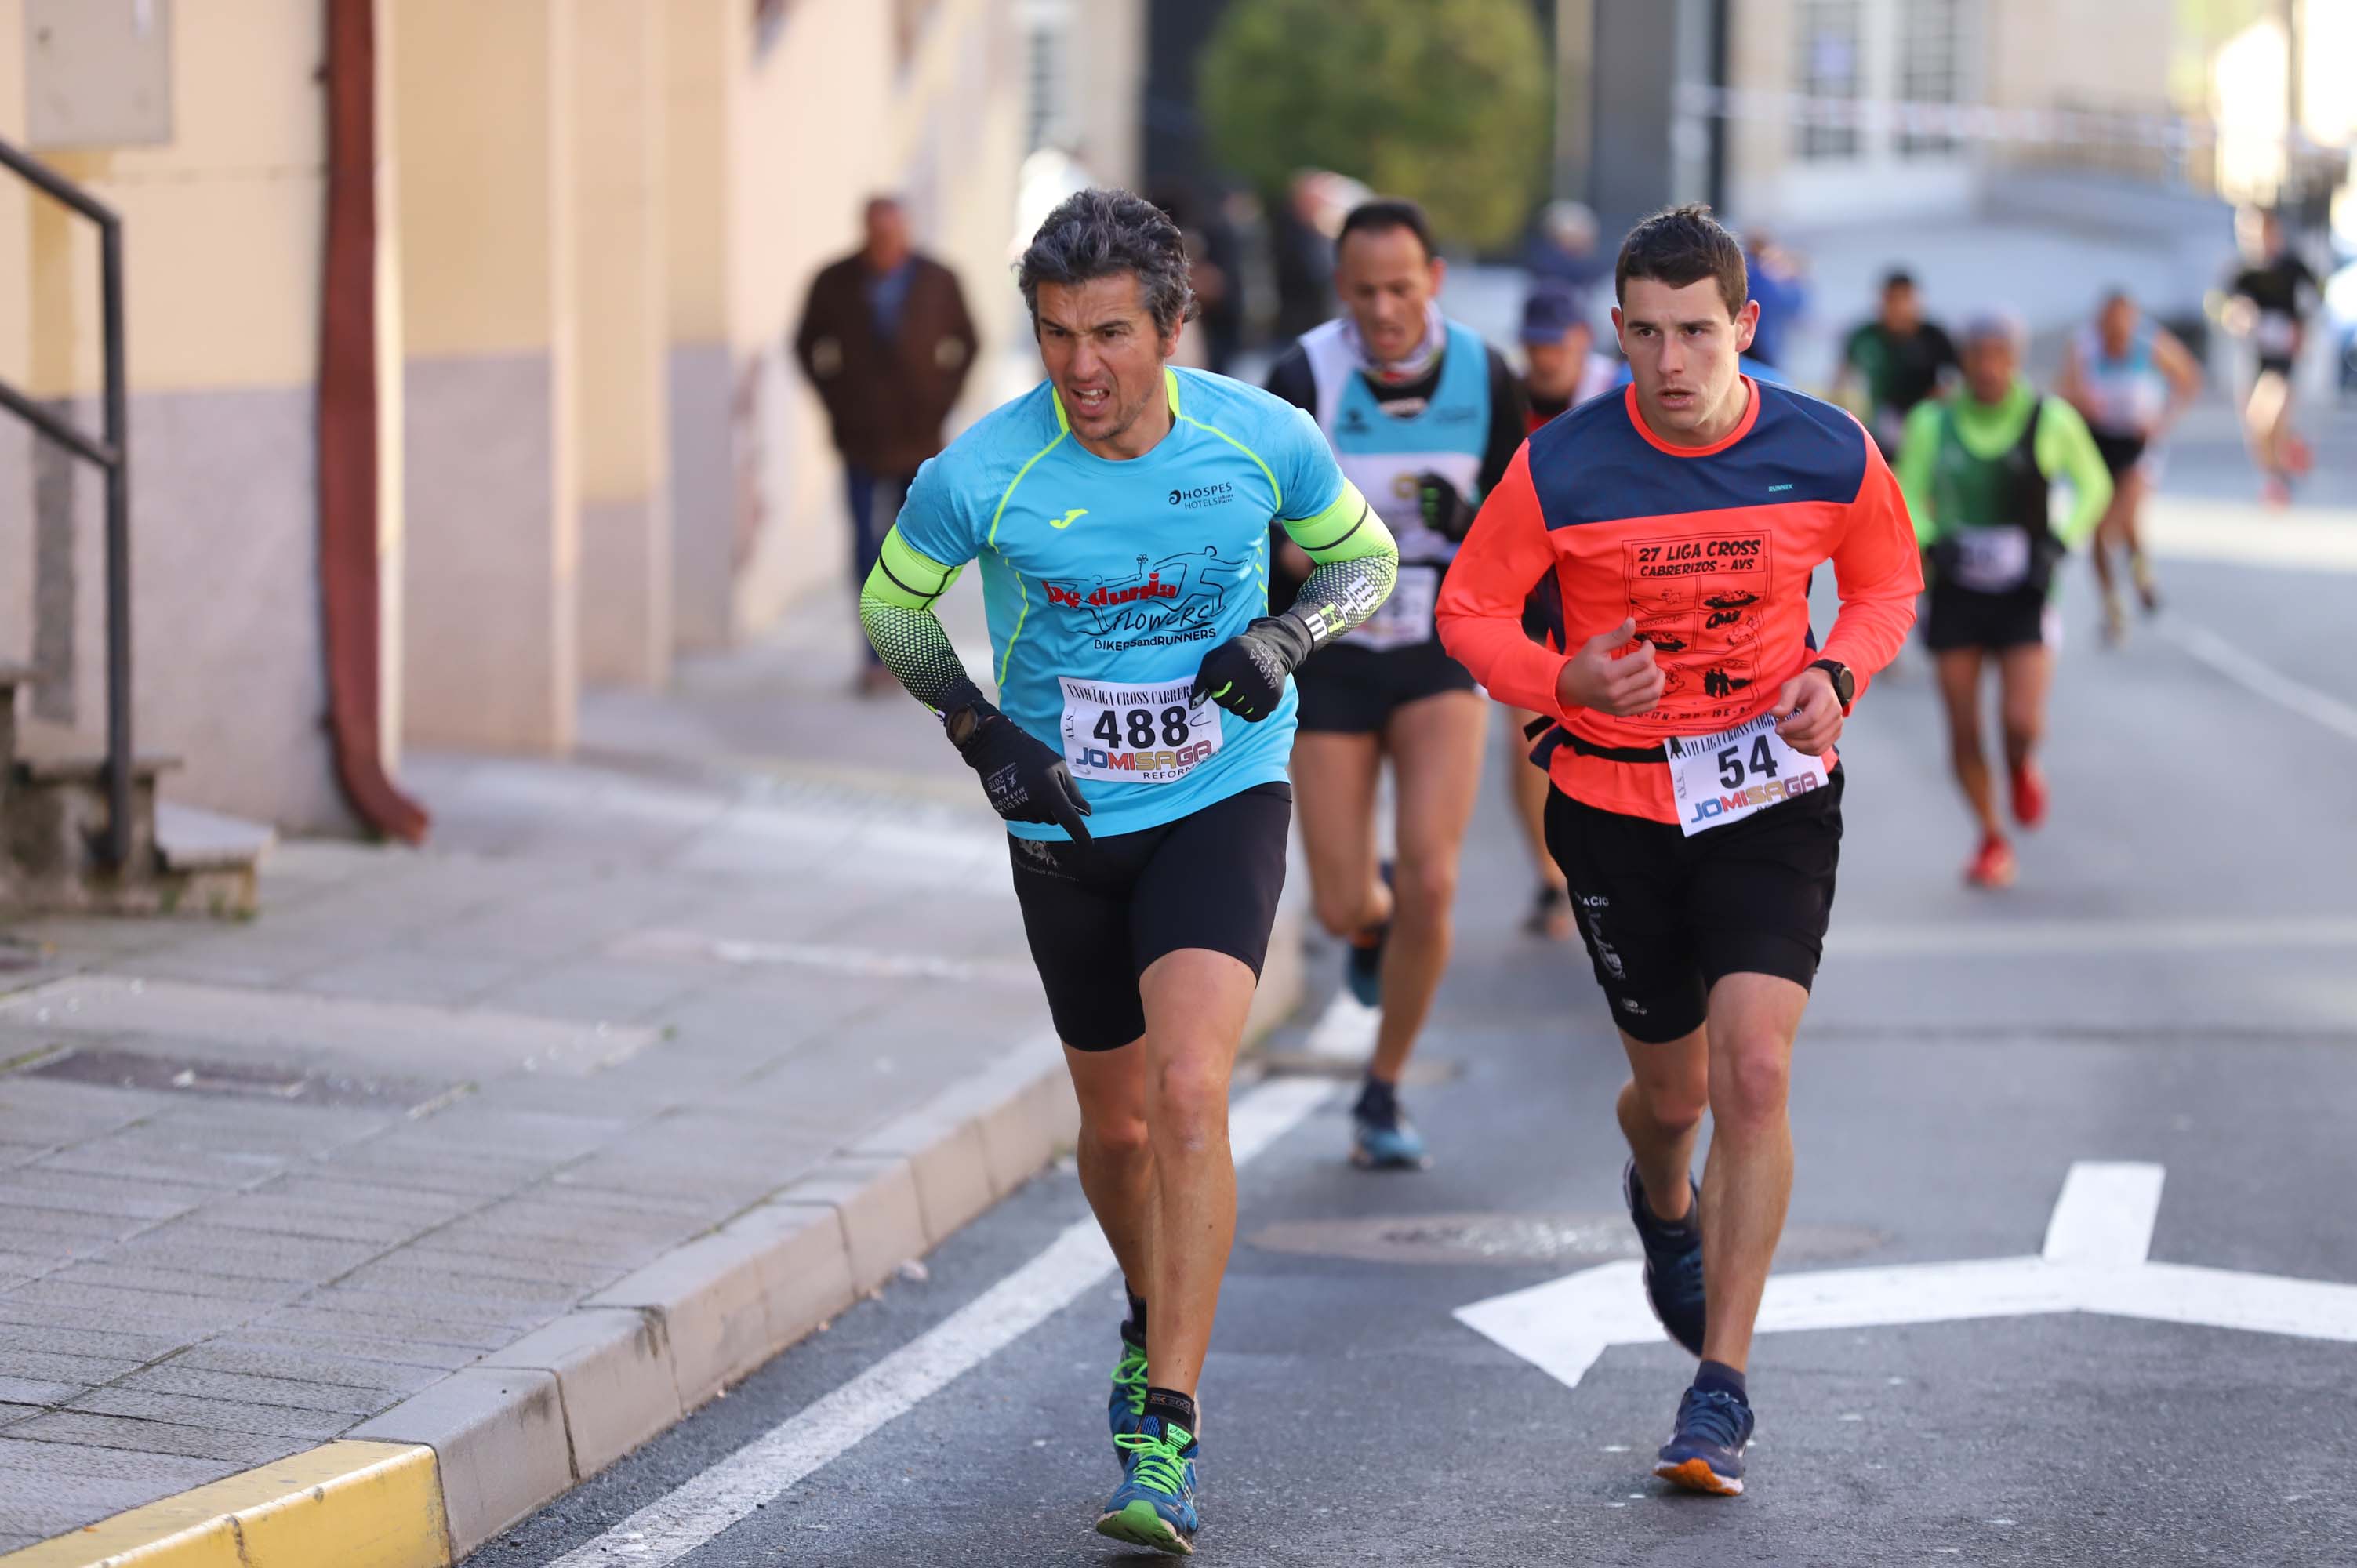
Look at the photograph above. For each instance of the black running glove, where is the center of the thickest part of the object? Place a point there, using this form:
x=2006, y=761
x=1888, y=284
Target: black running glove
x=1027, y=781
x=1445, y=512
x=1246, y=673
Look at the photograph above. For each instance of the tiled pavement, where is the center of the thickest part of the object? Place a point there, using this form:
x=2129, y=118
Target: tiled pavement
x=261, y=1181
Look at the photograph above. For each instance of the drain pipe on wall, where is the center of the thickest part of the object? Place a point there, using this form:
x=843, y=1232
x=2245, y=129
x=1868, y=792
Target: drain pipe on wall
x=349, y=557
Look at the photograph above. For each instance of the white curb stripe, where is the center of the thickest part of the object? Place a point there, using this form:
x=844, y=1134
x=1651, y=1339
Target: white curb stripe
x=677, y=1523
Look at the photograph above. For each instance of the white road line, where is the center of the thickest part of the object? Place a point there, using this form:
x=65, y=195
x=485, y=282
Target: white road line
x=2266, y=681
x=2105, y=1214
x=678, y=1522
x=1345, y=1031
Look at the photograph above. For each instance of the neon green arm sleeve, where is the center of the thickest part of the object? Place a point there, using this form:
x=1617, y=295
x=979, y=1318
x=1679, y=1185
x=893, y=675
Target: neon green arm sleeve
x=2066, y=451
x=895, y=610
x=1919, y=450
x=1357, y=563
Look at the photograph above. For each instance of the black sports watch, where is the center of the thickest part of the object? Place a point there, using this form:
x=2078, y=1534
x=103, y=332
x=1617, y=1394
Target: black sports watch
x=1844, y=683
x=961, y=722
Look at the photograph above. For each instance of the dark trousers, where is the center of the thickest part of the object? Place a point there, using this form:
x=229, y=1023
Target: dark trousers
x=874, y=503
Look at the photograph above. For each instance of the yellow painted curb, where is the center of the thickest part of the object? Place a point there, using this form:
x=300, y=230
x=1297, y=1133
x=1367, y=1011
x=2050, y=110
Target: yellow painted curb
x=354, y=1505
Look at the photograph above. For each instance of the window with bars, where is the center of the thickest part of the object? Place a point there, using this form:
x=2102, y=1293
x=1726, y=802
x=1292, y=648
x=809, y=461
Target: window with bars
x=1830, y=69
x=1931, y=67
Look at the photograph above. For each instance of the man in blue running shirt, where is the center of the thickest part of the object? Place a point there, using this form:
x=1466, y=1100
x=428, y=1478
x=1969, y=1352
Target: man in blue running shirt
x=1121, y=513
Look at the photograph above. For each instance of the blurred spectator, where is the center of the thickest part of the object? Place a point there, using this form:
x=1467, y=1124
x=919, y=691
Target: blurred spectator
x=1778, y=284
x=1563, y=249
x=1559, y=347
x=1304, y=238
x=1899, y=358
x=886, y=340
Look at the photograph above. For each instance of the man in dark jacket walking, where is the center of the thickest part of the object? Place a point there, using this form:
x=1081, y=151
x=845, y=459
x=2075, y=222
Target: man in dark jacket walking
x=886, y=340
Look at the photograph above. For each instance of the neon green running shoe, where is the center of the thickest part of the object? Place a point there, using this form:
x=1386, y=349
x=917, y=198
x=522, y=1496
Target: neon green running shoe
x=1155, y=1505
x=1126, y=1408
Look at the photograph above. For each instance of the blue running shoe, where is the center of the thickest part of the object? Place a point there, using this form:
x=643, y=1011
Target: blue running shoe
x=1706, y=1453
x=1155, y=1506
x=1673, y=1263
x=1362, y=966
x=1383, y=1139
x=1126, y=1408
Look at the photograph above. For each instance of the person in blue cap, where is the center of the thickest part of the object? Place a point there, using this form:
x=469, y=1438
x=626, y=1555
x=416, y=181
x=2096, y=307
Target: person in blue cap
x=1562, y=366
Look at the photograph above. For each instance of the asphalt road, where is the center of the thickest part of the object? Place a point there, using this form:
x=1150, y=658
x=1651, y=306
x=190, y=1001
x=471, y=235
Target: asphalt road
x=2174, y=982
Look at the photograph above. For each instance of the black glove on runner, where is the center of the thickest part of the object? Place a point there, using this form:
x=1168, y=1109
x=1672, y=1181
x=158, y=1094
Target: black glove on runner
x=1246, y=673
x=1445, y=512
x=1027, y=781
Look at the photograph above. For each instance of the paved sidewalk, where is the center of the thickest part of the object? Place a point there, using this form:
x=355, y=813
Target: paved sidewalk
x=261, y=1183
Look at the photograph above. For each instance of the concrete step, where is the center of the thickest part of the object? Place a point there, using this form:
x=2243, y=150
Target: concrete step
x=189, y=838
x=54, y=818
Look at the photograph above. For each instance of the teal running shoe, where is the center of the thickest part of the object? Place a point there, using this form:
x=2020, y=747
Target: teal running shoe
x=1383, y=1139
x=1126, y=1408
x=1155, y=1505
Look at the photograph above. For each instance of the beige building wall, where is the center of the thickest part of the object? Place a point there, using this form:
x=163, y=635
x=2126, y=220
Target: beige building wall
x=491, y=480
x=622, y=331
x=2029, y=54
x=829, y=114
x=2099, y=54
x=704, y=52
x=223, y=227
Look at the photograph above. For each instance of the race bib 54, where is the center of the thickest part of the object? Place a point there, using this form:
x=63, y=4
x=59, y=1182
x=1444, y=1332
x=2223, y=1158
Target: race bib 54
x=1724, y=777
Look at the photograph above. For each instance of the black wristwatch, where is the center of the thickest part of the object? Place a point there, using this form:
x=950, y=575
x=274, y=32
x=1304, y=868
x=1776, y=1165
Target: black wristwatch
x=1844, y=683
x=959, y=723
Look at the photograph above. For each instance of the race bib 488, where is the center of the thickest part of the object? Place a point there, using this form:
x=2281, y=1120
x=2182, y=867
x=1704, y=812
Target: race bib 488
x=1136, y=735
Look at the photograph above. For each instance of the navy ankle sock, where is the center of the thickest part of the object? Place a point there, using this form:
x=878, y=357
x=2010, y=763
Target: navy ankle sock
x=1135, y=1329
x=1378, y=1102
x=1717, y=1377
x=1173, y=1409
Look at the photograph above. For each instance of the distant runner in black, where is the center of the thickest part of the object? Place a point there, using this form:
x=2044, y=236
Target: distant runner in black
x=2273, y=299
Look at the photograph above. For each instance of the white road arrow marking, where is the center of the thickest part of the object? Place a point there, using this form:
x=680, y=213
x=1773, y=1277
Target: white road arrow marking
x=2095, y=1260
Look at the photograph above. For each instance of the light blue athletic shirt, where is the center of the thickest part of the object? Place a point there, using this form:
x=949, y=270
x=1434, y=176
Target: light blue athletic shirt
x=1098, y=573
x=1383, y=455
x=2126, y=395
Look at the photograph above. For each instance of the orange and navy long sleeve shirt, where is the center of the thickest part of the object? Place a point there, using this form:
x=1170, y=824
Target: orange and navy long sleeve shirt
x=1709, y=549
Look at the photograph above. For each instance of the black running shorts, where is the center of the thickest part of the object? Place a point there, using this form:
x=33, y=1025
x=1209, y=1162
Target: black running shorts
x=1665, y=916
x=1962, y=617
x=2120, y=453
x=1348, y=690
x=1097, y=915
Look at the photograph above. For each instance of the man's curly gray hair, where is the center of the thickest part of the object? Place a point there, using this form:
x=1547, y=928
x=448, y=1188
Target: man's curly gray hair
x=1098, y=233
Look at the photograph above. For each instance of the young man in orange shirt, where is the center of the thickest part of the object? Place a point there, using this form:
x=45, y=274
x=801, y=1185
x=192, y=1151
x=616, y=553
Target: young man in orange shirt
x=1696, y=800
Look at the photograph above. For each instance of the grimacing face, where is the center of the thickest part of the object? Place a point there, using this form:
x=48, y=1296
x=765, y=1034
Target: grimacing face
x=1106, y=357
x=1683, y=353
x=1387, y=282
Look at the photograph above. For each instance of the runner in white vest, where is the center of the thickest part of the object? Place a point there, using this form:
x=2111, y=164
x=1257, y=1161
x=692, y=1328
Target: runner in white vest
x=2132, y=380
x=1424, y=417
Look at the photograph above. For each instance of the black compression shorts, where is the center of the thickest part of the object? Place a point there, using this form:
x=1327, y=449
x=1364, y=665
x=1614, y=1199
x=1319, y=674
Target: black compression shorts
x=1098, y=915
x=1962, y=618
x=1354, y=691
x=2121, y=453
x=1665, y=916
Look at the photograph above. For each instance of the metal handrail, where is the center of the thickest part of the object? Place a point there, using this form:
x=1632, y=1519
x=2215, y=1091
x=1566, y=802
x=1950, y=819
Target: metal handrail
x=111, y=454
